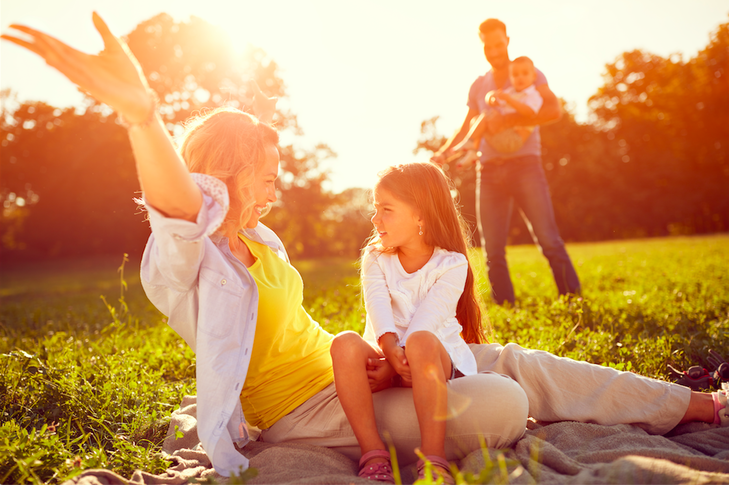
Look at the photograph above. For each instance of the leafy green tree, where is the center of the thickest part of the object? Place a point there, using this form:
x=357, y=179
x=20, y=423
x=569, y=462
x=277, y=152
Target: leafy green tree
x=79, y=167
x=670, y=119
x=655, y=160
x=76, y=176
x=431, y=140
x=193, y=65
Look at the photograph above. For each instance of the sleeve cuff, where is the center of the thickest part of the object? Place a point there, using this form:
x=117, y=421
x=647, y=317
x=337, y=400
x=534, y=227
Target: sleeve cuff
x=209, y=218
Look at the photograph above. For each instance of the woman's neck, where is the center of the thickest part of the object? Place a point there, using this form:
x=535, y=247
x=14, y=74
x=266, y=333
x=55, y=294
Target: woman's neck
x=240, y=250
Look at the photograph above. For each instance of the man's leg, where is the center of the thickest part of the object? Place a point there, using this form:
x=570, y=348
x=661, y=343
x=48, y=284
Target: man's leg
x=493, y=212
x=532, y=196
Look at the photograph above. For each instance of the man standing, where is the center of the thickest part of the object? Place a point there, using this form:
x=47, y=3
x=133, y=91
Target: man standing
x=503, y=179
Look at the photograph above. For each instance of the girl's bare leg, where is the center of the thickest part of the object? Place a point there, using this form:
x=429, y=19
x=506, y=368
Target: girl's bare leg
x=349, y=358
x=430, y=367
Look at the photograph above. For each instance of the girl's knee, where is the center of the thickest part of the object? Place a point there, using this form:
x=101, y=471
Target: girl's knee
x=422, y=344
x=345, y=345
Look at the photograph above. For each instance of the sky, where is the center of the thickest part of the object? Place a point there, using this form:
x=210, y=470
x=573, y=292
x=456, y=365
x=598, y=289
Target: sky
x=362, y=76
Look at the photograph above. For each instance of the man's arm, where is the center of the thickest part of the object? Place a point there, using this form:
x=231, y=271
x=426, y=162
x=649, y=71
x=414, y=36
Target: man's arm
x=550, y=110
x=438, y=157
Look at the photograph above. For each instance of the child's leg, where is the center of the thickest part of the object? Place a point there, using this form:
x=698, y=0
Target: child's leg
x=430, y=367
x=349, y=359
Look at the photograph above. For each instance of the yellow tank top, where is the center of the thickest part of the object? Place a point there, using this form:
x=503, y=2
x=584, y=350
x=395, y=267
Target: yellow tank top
x=290, y=360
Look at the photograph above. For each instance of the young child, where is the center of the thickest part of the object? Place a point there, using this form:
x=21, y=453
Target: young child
x=422, y=309
x=521, y=97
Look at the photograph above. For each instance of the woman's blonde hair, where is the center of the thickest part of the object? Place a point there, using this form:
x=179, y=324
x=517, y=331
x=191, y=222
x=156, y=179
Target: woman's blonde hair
x=229, y=145
x=427, y=189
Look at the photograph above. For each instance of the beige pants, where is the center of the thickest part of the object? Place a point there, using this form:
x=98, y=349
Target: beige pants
x=512, y=383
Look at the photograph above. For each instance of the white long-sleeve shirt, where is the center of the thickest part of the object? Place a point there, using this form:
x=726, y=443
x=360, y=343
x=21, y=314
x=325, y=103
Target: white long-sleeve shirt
x=190, y=275
x=403, y=303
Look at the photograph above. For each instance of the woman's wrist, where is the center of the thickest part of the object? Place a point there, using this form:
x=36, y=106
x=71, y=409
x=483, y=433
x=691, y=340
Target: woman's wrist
x=145, y=117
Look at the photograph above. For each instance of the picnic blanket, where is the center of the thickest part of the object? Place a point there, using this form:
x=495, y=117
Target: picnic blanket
x=560, y=453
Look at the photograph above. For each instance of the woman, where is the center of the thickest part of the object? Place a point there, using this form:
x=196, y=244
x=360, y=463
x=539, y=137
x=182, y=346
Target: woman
x=225, y=283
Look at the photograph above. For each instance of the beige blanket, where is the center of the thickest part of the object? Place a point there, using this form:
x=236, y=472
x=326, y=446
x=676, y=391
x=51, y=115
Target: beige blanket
x=566, y=452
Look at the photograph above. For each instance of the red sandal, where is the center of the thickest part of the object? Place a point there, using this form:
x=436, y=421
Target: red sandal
x=381, y=472
x=439, y=467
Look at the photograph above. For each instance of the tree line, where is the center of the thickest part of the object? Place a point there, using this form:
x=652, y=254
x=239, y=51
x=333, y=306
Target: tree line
x=652, y=161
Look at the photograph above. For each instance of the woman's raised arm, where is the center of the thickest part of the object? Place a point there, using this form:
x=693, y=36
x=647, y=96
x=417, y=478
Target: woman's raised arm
x=115, y=78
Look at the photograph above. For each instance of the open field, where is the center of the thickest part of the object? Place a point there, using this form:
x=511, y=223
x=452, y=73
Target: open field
x=85, y=385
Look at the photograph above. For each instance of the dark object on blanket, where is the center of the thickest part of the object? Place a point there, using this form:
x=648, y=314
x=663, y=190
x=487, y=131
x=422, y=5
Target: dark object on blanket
x=721, y=372
x=697, y=378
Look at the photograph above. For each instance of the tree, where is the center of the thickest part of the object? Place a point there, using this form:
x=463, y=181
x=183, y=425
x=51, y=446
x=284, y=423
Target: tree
x=670, y=119
x=193, y=65
x=80, y=170
x=464, y=180
x=655, y=161
x=76, y=176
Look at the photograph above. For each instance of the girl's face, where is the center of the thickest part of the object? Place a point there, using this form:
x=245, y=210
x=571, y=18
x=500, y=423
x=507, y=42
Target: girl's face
x=264, y=190
x=397, y=223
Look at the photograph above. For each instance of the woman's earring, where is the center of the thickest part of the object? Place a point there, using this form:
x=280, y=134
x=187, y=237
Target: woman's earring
x=420, y=230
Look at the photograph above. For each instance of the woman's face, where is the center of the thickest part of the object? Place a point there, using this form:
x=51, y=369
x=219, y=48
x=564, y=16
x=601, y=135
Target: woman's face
x=264, y=189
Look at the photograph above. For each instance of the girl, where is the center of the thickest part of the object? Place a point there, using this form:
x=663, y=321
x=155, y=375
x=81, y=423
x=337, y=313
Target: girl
x=422, y=309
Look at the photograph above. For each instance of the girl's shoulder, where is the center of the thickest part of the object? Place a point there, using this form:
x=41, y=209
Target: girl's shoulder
x=373, y=254
x=374, y=251
x=443, y=257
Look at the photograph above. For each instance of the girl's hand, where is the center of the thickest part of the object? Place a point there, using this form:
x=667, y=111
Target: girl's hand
x=379, y=374
x=113, y=77
x=395, y=355
x=396, y=358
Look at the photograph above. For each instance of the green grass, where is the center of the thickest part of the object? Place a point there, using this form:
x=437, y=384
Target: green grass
x=85, y=385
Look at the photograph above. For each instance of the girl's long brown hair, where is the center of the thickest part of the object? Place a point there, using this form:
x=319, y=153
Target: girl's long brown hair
x=425, y=187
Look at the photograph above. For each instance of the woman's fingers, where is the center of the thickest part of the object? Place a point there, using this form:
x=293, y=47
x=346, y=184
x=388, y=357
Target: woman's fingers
x=52, y=50
x=22, y=43
x=111, y=42
x=48, y=52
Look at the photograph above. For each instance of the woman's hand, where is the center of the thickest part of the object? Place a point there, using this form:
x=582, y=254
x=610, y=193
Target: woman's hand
x=113, y=77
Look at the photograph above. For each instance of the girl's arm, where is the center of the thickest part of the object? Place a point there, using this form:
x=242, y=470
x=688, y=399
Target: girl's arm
x=378, y=303
x=115, y=78
x=441, y=300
